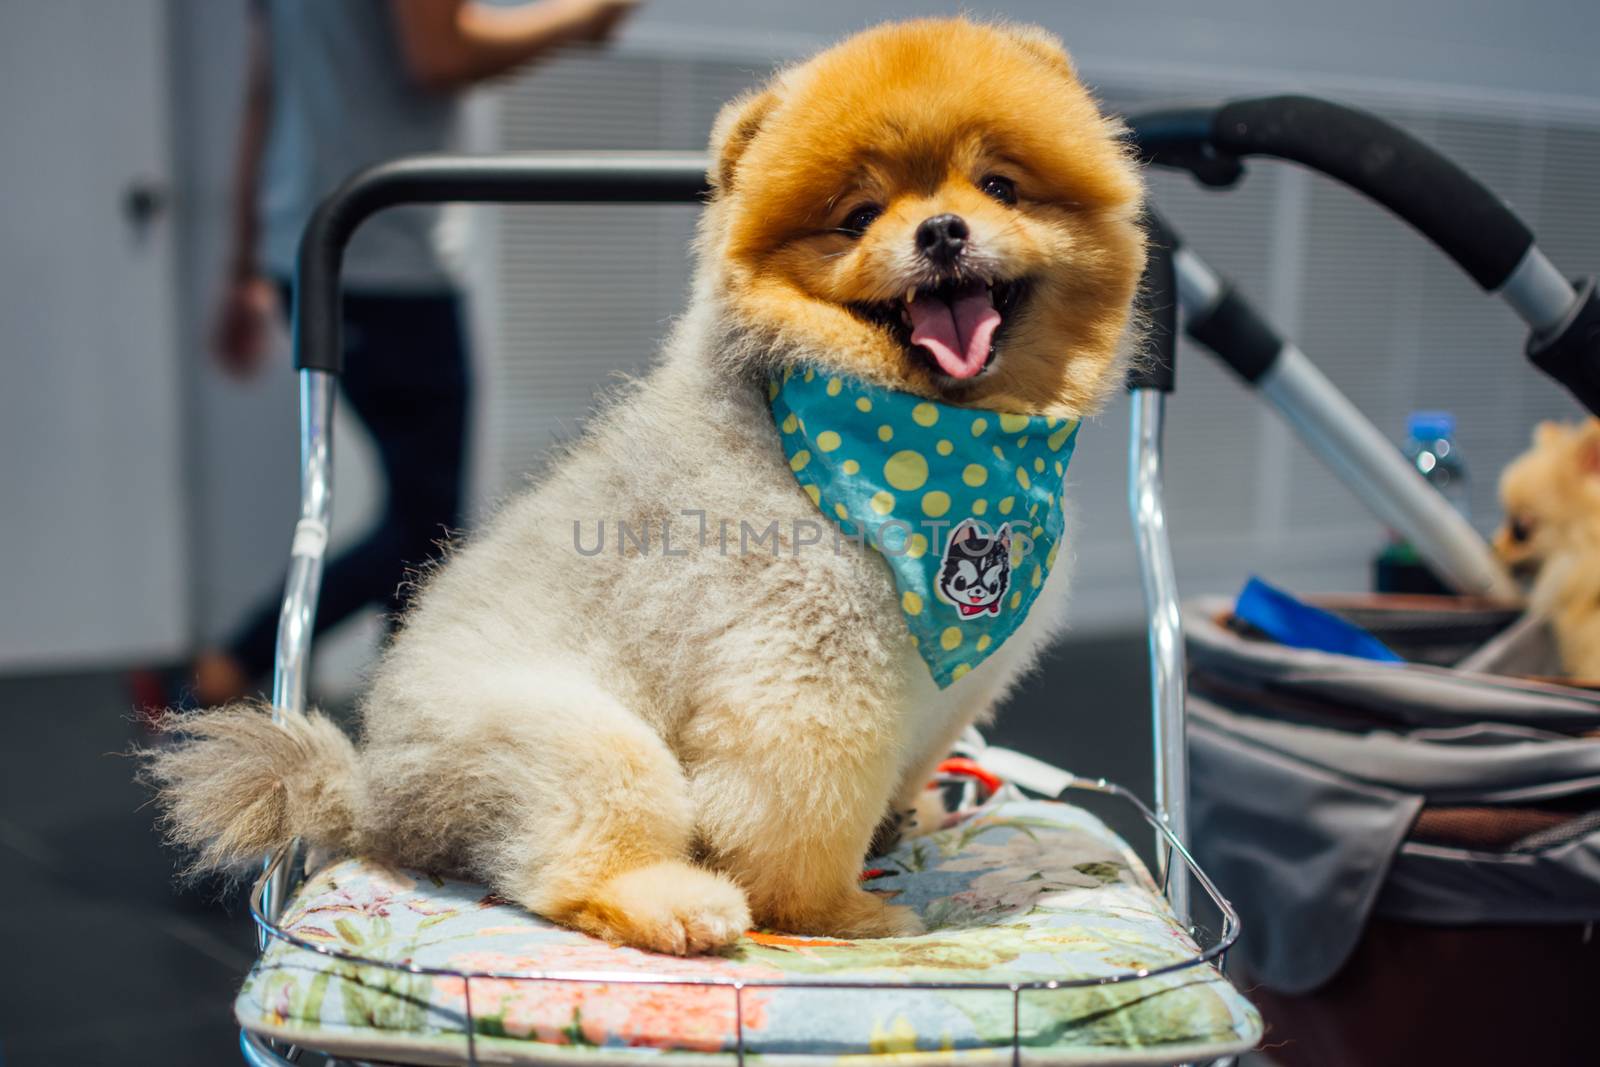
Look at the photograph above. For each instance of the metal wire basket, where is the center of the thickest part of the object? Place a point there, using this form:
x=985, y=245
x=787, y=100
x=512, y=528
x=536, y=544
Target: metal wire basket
x=1211, y=940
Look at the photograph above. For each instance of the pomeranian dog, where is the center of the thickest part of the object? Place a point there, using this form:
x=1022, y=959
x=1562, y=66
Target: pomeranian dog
x=1551, y=498
x=660, y=748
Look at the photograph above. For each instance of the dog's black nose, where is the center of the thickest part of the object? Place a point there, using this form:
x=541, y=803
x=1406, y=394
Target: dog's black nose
x=942, y=237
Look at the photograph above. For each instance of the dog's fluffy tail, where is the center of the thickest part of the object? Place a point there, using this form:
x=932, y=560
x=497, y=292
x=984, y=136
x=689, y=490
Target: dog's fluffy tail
x=233, y=785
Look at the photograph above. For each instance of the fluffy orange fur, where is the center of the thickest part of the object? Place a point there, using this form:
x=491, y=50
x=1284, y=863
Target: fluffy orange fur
x=697, y=740
x=1551, y=496
x=911, y=117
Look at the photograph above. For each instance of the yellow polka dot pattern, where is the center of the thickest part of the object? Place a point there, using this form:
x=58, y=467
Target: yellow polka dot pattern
x=899, y=473
x=906, y=470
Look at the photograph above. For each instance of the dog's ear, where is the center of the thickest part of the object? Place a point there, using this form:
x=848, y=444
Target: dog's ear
x=1588, y=444
x=1043, y=45
x=737, y=125
x=1549, y=434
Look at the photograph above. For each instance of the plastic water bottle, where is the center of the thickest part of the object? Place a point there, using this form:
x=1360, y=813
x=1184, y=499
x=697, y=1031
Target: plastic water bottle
x=1431, y=448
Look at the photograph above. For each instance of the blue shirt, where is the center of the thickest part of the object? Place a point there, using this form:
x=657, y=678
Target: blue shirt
x=342, y=100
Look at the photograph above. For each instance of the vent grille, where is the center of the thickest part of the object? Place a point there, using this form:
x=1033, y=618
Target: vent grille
x=582, y=294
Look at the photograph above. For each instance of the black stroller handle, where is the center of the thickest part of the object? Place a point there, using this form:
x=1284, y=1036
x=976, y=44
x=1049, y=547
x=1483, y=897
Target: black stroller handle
x=535, y=178
x=1449, y=206
x=574, y=178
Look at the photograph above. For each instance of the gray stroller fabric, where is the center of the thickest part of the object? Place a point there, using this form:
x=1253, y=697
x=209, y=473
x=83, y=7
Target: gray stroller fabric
x=1309, y=772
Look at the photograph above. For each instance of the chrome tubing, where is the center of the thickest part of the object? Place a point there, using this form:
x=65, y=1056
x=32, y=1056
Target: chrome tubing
x=295, y=621
x=292, y=662
x=1361, y=457
x=1538, y=292
x=1159, y=579
x=1374, y=469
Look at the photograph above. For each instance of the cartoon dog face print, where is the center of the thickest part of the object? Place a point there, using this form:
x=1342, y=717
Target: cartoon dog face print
x=976, y=569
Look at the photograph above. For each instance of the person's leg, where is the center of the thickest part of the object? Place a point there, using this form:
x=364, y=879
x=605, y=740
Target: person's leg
x=406, y=376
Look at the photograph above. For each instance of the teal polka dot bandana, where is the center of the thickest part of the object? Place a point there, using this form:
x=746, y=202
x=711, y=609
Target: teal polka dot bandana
x=964, y=504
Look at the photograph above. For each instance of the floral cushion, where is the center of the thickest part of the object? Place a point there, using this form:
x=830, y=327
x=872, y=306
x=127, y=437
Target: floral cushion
x=1017, y=891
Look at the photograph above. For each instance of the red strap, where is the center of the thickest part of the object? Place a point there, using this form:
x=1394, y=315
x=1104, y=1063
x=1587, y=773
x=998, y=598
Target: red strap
x=963, y=766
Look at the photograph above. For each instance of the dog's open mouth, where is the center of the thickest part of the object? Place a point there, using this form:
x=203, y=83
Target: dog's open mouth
x=955, y=327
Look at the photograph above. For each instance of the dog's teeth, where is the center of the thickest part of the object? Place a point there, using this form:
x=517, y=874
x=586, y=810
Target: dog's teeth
x=911, y=294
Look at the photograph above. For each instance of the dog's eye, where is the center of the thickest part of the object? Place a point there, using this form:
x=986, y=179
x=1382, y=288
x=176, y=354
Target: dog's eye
x=856, y=223
x=1520, y=530
x=1002, y=189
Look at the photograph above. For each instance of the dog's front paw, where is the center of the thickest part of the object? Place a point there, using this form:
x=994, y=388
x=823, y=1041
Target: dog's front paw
x=672, y=907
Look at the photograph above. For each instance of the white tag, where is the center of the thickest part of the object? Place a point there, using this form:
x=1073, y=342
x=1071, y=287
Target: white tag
x=310, y=539
x=1034, y=775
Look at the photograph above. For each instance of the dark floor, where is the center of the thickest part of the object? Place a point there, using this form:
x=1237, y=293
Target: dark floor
x=106, y=963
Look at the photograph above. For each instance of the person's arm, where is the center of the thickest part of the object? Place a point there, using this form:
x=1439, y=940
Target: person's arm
x=244, y=320
x=451, y=44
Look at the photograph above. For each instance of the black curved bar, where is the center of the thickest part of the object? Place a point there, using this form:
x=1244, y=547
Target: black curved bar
x=541, y=178
x=1156, y=366
x=1446, y=204
x=1181, y=138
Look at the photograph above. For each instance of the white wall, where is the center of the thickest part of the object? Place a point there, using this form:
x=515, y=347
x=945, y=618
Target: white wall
x=91, y=509
x=1542, y=46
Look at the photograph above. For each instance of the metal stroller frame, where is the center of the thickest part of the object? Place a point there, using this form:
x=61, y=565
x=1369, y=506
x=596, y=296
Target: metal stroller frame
x=680, y=178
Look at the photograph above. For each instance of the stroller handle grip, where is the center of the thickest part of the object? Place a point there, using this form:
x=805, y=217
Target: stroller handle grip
x=1446, y=204
x=530, y=178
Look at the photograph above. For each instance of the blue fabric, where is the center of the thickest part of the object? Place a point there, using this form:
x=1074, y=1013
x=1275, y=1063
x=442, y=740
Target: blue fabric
x=964, y=504
x=1297, y=624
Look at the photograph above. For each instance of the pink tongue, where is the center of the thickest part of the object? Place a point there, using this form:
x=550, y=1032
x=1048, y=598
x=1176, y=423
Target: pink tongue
x=957, y=334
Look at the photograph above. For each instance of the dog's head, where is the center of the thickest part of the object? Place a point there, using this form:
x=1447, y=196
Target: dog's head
x=1551, y=497
x=935, y=206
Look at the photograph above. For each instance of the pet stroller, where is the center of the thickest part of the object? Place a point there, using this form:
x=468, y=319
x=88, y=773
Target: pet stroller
x=1415, y=847
x=1049, y=941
